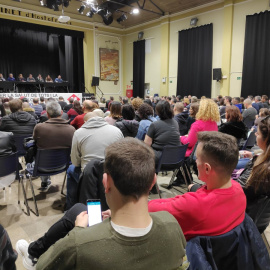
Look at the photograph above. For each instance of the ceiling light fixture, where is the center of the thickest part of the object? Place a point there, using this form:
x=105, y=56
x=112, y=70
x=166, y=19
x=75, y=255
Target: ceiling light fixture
x=122, y=18
x=90, y=14
x=41, y=2
x=63, y=18
x=81, y=9
x=135, y=11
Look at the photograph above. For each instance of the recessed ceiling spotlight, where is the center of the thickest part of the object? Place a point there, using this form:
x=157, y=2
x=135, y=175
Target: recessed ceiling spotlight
x=135, y=11
x=81, y=9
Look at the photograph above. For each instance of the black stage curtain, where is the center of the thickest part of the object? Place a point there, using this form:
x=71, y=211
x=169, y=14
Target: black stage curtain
x=29, y=48
x=138, y=68
x=195, y=51
x=256, y=65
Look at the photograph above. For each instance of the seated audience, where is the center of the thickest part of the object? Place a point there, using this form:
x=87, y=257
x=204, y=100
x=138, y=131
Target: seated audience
x=7, y=254
x=193, y=110
x=257, y=104
x=181, y=118
x=2, y=79
x=55, y=133
x=130, y=230
x=31, y=78
x=42, y=102
x=75, y=110
x=115, y=113
x=88, y=106
x=265, y=101
x=249, y=114
x=10, y=78
x=38, y=108
x=127, y=124
x=89, y=142
x=207, y=118
x=27, y=108
x=62, y=102
x=219, y=205
x=69, y=106
x=18, y=122
x=234, y=125
x=164, y=131
x=39, y=78
x=236, y=102
x=145, y=114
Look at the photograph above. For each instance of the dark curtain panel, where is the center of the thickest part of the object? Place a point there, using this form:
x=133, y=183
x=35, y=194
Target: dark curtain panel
x=28, y=48
x=138, y=68
x=195, y=52
x=256, y=65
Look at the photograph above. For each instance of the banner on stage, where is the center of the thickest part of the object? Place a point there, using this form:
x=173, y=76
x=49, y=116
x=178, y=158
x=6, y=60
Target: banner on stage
x=30, y=96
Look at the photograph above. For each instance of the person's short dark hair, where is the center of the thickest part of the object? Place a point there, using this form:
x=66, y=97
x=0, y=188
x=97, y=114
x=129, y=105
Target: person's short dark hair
x=125, y=100
x=148, y=101
x=61, y=98
x=179, y=97
x=169, y=98
x=219, y=150
x=174, y=100
x=71, y=100
x=242, y=100
x=132, y=176
x=264, y=112
x=35, y=100
x=15, y=105
x=42, y=99
x=219, y=97
x=128, y=112
x=229, y=98
x=237, y=99
x=111, y=98
x=233, y=114
x=221, y=102
x=164, y=110
x=145, y=110
x=265, y=97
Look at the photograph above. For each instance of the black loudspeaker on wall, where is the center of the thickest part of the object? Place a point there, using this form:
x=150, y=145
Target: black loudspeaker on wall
x=95, y=81
x=217, y=74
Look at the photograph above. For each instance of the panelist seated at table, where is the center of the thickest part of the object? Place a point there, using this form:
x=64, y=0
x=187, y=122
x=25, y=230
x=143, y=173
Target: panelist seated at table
x=10, y=77
x=2, y=79
x=39, y=78
x=48, y=79
x=21, y=78
x=58, y=79
x=31, y=78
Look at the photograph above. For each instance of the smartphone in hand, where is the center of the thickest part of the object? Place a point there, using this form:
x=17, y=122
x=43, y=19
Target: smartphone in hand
x=93, y=211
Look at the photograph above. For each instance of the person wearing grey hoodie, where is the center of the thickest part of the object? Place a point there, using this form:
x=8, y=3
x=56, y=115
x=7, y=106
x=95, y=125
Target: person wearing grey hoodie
x=89, y=142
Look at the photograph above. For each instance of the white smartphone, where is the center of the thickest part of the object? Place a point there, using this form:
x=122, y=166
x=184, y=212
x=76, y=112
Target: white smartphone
x=93, y=211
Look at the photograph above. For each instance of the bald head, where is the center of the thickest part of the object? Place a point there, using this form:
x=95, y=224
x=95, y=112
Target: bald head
x=89, y=106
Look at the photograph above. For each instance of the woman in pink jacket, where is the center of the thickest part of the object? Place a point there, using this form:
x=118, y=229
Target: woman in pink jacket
x=206, y=120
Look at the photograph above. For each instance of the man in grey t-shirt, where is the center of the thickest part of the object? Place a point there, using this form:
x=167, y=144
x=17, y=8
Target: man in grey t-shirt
x=249, y=114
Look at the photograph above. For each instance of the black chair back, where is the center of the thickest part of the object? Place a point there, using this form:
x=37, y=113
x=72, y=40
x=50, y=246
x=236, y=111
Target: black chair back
x=19, y=141
x=51, y=161
x=9, y=164
x=172, y=157
x=250, y=142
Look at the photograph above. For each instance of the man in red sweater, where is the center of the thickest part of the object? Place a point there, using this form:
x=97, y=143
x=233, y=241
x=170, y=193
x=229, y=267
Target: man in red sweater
x=88, y=106
x=219, y=205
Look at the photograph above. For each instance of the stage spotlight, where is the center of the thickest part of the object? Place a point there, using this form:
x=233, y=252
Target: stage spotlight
x=89, y=14
x=55, y=7
x=81, y=9
x=135, y=11
x=108, y=14
x=94, y=10
x=66, y=3
x=41, y=2
x=122, y=18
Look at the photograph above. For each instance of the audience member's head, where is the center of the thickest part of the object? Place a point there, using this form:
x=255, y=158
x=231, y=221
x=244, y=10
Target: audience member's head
x=77, y=107
x=217, y=151
x=265, y=98
x=71, y=100
x=228, y=99
x=248, y=103
x=148, y=101
x=35, y=100
x=53, y=109
x=133, y=177
x=233, y=114
x=208, y=111
x=128, y=112
x=89, y=106
x=194, y=99
x=95, y=113
x=164, y=110
x=145, y=111
x=186, y=101
x=236, y=100
x=15, y=105
x=115, y=110
x=221, y=102
x=125, y=100
x=136, y=103
x=42, y=99
x=193, y=109
x=178, y=108
x=61, y=98
x=264, y=112
x=111, y=98
x=257, y=99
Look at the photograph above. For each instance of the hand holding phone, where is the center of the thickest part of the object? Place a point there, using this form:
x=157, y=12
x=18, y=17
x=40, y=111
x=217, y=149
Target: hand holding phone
x=94, y=212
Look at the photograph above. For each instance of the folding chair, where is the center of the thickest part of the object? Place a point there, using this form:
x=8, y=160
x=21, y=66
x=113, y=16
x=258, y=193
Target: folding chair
x=8, y=165
x=19, y=140
x=250, y=142
x=47, y=162
x=172, y=159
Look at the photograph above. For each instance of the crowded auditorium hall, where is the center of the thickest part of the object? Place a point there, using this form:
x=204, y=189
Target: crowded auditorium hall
x=134, y=135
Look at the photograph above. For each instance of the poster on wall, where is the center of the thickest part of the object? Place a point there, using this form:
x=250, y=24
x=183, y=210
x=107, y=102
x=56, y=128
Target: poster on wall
x=109, y=64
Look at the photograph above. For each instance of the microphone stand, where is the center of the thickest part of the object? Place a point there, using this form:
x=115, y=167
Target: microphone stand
x=102, y=94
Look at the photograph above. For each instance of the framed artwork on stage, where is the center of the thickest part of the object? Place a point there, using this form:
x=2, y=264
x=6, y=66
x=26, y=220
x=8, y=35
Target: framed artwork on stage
x=109, y=64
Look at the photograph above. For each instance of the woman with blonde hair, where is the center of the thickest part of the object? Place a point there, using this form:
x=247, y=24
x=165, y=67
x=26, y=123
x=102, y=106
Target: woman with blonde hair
x=206, y=120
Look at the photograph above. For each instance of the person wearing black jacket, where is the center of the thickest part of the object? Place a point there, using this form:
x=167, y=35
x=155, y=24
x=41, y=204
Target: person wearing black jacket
x=7, y=143
x=234, y=125
x=181, y=118
x=18, y=122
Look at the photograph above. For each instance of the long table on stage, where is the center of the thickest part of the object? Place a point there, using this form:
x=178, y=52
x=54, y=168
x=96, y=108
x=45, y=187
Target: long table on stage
x=39, y=86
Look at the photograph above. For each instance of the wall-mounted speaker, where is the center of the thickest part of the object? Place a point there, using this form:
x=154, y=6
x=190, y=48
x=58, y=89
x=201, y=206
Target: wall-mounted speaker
x=95, y=81
x=193, y=21
x=217, y=76
x=140, y=35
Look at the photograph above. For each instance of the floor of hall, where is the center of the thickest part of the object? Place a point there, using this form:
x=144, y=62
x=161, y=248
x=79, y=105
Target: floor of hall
x=51, y=207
